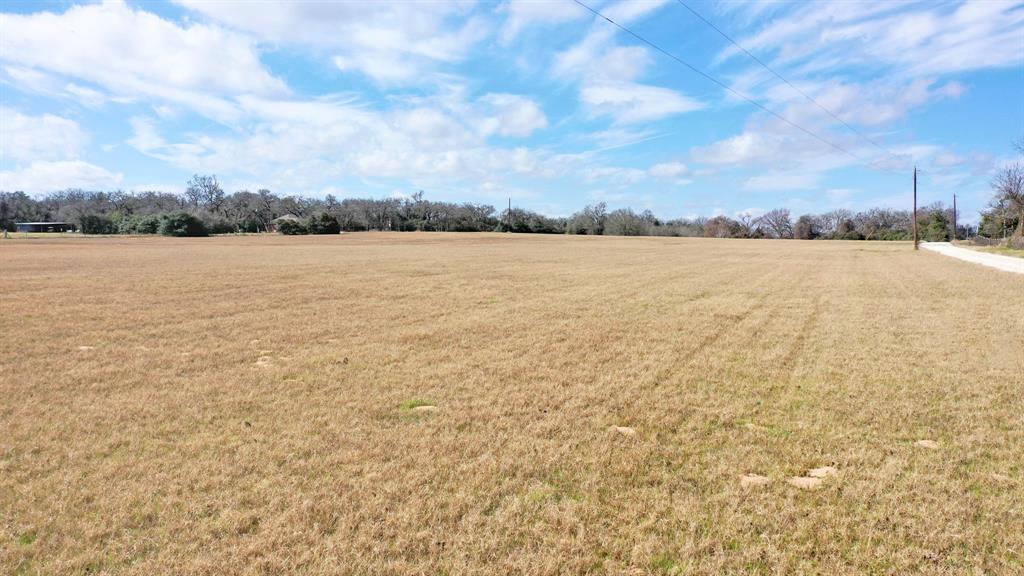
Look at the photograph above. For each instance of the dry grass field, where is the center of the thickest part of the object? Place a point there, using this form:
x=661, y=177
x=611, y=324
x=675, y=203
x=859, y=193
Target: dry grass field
x=497, y=404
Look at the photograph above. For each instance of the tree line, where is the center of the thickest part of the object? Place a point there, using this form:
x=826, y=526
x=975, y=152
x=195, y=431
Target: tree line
x=204, y=208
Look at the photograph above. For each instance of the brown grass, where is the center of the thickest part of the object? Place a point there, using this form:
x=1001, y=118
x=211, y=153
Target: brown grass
x=1002, y=250
x=249, y=405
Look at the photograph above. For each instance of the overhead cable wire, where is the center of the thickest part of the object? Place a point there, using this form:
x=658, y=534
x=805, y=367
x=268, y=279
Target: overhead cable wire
x=780, y=77
x=718, y=82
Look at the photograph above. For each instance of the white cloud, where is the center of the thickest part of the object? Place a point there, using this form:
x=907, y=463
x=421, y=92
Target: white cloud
x=512, y=115
x=594, y=60
x=774, y=181
x=624, y=176
x=629, y=103
x=26, y=138
x=865, y=104
x=391, y=43
x=669, y=170
x=840, y=194
x=133, y=53
x=608, y=73
x=53, y=86
x=922, y=39
x=621, y=137
x=627, y=11
x=43, y=176
x=613, y=175
x=748, y=147
x=297, y=145
x=524, y=13
x=146, y=136
x=906, y=47
x=948, y=159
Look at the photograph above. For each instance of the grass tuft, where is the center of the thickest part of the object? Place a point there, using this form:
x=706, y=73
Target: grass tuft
x=415, y=403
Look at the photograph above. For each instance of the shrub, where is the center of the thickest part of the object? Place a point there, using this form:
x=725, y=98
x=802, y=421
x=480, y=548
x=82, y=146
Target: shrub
x=182, y=224
x=323, y=224
x=140, y=225
x=290, y=227
x=96, y=224
x=1016, y=241
x=219, y=226
x=147, y=224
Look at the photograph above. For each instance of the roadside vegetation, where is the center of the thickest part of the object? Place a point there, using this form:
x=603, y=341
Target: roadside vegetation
x=213, y=212
x=1000, y=249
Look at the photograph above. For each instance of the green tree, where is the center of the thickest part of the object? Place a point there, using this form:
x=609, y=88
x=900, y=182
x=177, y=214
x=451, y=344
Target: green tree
x=323, y=223
x=182, y=224
x=291, y=226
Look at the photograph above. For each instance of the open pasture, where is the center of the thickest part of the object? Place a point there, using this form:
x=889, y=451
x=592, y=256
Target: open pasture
x=502, y=404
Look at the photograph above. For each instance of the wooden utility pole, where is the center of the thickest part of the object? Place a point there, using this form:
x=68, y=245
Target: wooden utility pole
x=509, y=213
x=915, y=208
x=954, y=219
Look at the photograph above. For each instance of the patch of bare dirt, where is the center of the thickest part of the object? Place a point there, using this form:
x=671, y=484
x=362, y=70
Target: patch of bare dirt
x=805, y=482
x=813, y=478
x=823, y=472
x=751, y=480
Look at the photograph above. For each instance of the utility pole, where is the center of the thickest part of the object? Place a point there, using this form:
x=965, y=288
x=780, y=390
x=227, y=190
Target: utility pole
x=954, y=219
x=915, y=208
x=509, y=214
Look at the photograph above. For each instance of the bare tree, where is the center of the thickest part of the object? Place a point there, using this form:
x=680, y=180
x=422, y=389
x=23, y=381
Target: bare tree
x=805, y=228
x=829, y=222
x=625, y=222
x=1009, y=188
x=205, y=190
x=748, y=225
x=722, y=227
x=776, y=223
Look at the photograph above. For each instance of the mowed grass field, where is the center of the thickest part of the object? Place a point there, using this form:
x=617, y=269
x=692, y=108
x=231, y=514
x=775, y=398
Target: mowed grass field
x=255, y=405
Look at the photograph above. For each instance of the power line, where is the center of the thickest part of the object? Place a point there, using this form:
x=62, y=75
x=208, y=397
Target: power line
x=780, y=77
x=718, y=82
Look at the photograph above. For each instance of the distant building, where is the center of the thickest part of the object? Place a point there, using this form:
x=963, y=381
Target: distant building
x=44, y=226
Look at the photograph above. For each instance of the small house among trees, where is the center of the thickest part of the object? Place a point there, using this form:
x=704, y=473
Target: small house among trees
x=44, y=226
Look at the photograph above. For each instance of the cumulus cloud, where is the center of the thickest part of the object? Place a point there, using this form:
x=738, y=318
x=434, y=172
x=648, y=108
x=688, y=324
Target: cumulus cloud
x=629, y=103
x=948, y=159
x=305, y=142
x=524, y=13
x=131, y=52
x=608, y=74
x=744, y=148
x=669, y=170
x=48, y=176
x=391, y=43
x=782, y=181
x=614, y=175
x=619, y=176
x=860, y=103
x=824, y=50
x=25, y=138
x=920, y=39
x=512, y=115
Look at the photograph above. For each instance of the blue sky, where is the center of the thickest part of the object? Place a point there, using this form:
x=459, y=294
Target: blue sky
x=534, y=100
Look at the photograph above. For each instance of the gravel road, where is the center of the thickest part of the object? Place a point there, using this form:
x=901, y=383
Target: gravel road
x=1005, y=263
